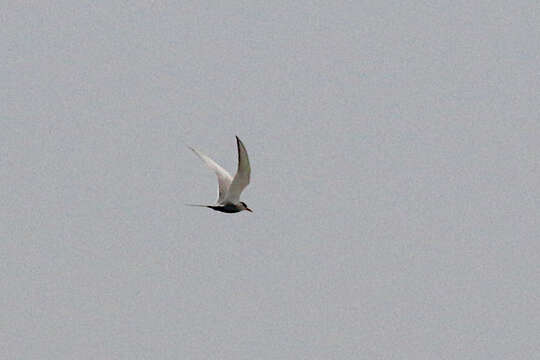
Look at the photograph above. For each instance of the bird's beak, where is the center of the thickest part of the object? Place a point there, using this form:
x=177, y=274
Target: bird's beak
x=248, y=209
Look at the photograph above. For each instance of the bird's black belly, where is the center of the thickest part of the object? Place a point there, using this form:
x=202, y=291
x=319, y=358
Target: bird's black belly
x=227, y=208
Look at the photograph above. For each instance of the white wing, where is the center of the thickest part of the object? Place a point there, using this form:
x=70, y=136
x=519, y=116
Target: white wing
x=224, y=178
x=241, y=179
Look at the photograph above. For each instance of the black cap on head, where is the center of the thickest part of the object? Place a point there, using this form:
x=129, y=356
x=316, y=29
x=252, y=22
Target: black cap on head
x=246, y=207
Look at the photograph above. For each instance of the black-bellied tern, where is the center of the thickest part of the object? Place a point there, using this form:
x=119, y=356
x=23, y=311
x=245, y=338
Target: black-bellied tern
x=229, y=188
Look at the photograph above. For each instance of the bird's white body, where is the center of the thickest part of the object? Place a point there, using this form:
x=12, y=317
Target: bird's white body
x=229, y=188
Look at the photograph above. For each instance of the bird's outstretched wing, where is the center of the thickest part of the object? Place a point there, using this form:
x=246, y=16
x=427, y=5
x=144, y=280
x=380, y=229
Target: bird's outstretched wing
x=224, y=178
x=241, y=179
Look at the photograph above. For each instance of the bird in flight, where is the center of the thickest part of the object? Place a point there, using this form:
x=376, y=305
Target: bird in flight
x=229, y=188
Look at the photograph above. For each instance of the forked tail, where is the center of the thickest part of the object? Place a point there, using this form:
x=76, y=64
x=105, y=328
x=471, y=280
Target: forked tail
x=198, y=205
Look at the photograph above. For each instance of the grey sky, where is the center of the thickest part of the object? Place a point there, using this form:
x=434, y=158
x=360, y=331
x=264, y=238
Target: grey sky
x=394, y=150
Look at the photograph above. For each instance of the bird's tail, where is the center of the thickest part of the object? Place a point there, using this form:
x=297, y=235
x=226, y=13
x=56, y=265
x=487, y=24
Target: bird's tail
x=198, y=205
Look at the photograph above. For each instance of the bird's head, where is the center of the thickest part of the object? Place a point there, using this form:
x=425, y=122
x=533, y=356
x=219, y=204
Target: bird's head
x=245, y=207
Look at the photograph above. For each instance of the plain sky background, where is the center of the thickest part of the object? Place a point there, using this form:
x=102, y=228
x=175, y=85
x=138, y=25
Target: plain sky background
x=395, y=167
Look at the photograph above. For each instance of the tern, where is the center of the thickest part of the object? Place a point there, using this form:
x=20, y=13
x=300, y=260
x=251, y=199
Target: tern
x=229, y=188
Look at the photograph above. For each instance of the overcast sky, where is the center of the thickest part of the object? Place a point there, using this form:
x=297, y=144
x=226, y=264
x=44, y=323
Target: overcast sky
x=395, y=168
